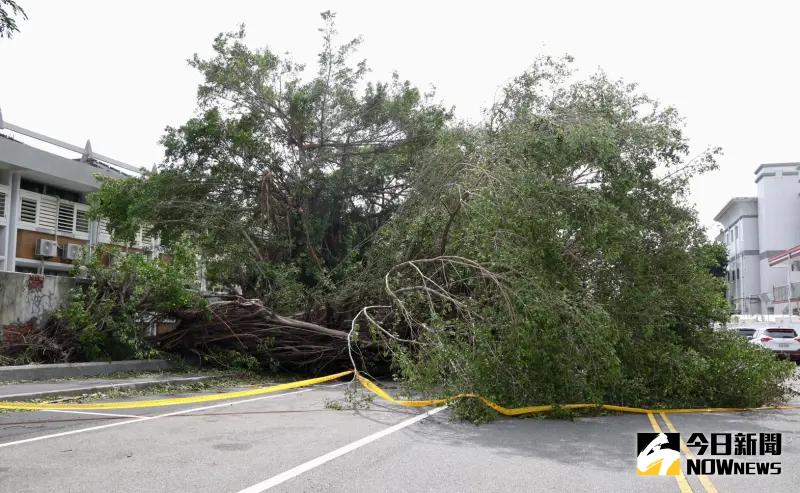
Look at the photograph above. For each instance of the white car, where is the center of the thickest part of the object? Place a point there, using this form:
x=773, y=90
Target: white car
x=783, y=341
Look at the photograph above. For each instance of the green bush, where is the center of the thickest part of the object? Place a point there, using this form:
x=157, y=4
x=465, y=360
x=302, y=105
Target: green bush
x=107, y=318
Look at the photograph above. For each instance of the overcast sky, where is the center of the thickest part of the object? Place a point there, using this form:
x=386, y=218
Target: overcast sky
x=116, y=72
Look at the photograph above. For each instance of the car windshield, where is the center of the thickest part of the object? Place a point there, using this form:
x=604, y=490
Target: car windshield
x=744, y=332
x=781, y=333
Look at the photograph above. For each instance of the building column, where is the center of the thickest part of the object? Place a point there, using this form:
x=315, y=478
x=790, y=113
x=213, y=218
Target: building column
x=13, y=219
x=93, y=231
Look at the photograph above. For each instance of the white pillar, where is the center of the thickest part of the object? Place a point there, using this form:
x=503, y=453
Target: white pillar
x=13, y=219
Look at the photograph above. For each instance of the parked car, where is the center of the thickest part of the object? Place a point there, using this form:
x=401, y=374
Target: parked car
x=746, y=332
x=783, y=341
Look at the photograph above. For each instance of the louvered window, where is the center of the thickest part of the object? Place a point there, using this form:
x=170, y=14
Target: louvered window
x=102, y=231
x=81, y=221
x=66, y=217
x=48, y=212
x=28, y=210
x=3, y=196
x=147, y=238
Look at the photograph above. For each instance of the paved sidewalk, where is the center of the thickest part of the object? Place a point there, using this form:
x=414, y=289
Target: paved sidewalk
x=34, y=390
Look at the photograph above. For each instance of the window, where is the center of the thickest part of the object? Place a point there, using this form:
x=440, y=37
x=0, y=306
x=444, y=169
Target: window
x=736, y=232
x=53, y=215
x=102, y=231
x=66, y=217
x=81, y=221
x=48, y=212
x=3, y=196
x=781, y=333
x=28, y=210
x=53, y=191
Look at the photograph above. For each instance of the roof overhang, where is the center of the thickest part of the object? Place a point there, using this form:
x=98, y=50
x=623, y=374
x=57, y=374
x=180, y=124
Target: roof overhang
x=775, y=165
x=784, y=256
x=51, y=169
x=732, y=202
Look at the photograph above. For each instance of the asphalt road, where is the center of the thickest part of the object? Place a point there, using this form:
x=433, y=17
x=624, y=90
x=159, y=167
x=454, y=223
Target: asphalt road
x=292, y=442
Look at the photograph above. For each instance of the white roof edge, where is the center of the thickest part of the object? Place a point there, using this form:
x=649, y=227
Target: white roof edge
x=730, y=203
x=86, y=152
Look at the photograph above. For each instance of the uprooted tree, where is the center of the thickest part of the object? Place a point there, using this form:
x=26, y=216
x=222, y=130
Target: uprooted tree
x=546, y=255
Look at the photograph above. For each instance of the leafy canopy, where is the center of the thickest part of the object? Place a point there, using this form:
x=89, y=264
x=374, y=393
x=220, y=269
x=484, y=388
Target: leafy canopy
x=281, y=167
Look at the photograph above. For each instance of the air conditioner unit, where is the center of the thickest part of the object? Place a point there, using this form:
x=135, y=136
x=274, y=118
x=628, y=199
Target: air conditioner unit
x=72, y=251
x=46, y=248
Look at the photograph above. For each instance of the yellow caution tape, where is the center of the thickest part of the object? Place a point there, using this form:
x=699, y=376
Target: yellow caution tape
x=32, y=406
x=517, y=411
x=372, y=387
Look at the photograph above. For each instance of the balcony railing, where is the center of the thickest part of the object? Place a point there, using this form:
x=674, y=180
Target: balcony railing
x=780, y=294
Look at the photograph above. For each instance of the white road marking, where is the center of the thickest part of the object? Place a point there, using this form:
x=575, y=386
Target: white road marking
x=307, y=466
x=91, y=413
x=334, y=385
x=147, y=418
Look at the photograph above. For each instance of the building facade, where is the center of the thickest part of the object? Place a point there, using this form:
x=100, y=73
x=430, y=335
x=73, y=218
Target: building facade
x=756, y=230
x=44, y=222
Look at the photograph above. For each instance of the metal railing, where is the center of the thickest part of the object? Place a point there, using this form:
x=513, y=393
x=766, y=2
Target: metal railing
x=86, y=152
x=780, y=294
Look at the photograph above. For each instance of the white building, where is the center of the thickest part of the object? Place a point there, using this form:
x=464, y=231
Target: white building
x=43, y=211
x=757, y=232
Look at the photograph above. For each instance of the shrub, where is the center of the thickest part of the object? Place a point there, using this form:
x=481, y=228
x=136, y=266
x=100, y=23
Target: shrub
x=107, y=318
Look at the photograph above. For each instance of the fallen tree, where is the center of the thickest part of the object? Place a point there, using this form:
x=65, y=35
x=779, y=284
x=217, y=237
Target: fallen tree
x=246, y=325
x=547, y=255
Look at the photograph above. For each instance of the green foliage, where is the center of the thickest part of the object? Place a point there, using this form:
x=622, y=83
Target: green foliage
x=545, y=256
x=232, y=360
x=107, y=318
x=284, y=172
x=9, y=9
x=573, y=196
x=701, y=368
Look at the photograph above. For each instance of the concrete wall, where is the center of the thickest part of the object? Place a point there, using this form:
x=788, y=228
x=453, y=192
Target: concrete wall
x=25, y=296
x=739, y=219
x=778, y=218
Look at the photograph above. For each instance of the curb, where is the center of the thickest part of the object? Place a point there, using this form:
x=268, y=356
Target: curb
x=70, y=370
x=100, y=388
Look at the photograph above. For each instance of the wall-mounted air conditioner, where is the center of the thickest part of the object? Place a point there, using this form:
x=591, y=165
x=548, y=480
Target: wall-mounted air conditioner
x=46, y=248
x=72, y=251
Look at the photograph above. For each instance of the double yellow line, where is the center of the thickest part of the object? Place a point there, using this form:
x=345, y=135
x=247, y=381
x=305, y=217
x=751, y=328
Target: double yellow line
x=683, y=484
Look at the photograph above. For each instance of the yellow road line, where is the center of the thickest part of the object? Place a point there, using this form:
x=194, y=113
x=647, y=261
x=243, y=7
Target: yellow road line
x=683, y=484
x=704, y=480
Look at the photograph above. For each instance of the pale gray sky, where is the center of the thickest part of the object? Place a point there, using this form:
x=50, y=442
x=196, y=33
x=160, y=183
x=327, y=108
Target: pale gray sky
x=115, y=72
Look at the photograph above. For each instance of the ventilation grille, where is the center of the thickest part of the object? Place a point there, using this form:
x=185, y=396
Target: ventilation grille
x=81, y=222
x=48, y=213
x=66, y=217
x=28, y=211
